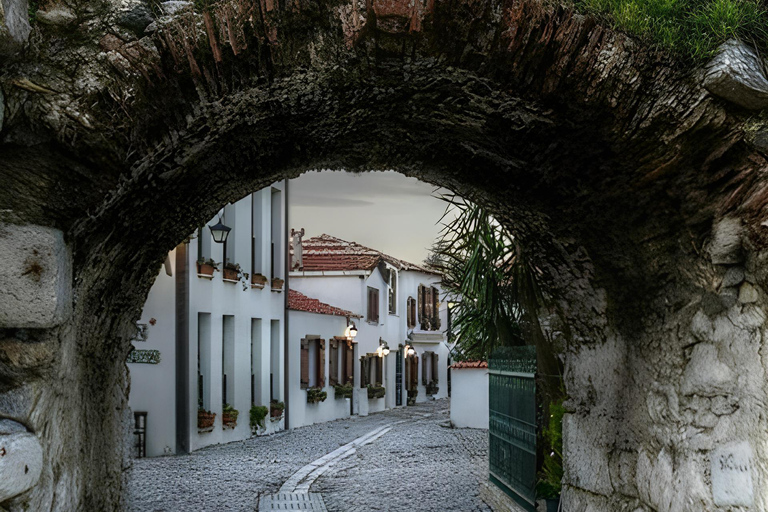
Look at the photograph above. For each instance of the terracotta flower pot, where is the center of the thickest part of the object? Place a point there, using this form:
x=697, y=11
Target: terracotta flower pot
x=205, y=419
x=277, y=284
x=205, y=269
x=230, y=274
x=258, y=281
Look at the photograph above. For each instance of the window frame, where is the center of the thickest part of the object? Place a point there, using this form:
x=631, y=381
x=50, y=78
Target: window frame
x=372, y=314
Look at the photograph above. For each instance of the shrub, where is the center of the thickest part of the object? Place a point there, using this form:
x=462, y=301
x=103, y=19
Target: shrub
x=257, y=414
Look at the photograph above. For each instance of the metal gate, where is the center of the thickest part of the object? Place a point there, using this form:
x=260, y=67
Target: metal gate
x=399, y=378
x=512, y=423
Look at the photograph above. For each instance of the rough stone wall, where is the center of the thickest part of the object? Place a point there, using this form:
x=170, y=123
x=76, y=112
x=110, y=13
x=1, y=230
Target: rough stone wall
x=126, y=129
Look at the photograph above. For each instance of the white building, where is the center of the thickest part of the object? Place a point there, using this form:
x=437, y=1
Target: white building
x=469, y=394
x=399, y=310
x=215, y=337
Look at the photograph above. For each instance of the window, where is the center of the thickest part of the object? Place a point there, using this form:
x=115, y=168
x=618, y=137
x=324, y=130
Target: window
x=340, y=361
x=429, y=308
x=429, y=369
x=411, y=307
x=373, y=305
x=371, y=370
x=312, y=362
x=392, y=292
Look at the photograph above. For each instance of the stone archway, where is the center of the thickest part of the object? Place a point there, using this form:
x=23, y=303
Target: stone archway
x=637, y=191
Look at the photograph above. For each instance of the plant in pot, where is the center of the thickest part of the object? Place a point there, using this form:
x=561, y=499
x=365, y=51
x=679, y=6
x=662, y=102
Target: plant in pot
x=258, y=414
x=315, y=395
x=206, y=267
x=277, y=284
x=276, y=410
x=412, y=394
x=376, y=391
x=432, y=388
x=551, y=474
x=205, y=420
x=342, y=390
x=229, y=416
x=231, y=271
x=258, y=281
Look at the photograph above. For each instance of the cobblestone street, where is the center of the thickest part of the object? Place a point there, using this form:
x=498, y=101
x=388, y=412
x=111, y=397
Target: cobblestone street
x=412, y=462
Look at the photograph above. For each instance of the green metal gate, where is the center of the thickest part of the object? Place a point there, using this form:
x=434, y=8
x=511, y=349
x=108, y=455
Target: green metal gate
x=512, y=423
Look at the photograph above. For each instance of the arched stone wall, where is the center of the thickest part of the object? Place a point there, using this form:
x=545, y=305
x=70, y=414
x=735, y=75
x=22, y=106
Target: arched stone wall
x=635, y=190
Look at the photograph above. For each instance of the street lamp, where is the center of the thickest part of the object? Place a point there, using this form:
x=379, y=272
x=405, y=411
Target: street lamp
x=220, y=232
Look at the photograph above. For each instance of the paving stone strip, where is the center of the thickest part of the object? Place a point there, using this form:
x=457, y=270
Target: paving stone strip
x=294, y=493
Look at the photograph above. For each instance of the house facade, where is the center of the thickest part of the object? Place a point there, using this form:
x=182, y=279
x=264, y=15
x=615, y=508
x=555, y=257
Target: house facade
x=211, y=333
x=400, y=350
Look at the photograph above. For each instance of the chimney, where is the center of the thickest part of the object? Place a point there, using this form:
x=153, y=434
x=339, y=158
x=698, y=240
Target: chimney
x=297, y=263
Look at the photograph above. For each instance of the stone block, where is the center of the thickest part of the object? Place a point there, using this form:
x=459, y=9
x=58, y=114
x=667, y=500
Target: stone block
x=733, y=276
x=736, y=74
x=14, y=25
x=705, y=374
x=725, y=247
x=21, y=459
x=586, y=455
x=732, y=475
x=35, y=278
x=748, y=294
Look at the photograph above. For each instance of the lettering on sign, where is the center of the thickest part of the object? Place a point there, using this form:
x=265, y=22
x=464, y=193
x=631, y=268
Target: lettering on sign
x=732, y=475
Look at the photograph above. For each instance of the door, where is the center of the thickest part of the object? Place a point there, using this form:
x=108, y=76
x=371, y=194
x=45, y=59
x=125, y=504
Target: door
x=399, y=378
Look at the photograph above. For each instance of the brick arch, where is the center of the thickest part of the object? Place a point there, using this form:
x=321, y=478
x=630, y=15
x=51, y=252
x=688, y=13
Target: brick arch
x=611, y=163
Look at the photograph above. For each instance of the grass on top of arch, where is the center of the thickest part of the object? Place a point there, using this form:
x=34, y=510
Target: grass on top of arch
x=692, y=29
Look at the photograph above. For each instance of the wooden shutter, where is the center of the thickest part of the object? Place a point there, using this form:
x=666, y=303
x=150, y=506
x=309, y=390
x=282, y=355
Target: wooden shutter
x=379, y=371
x=304, y=363
x=376, y=305
x=407, y=373
x=321, y=363
x=424, y=369
x=415, y=372
x=333, y=363
x=363, y=371
x=435, y=372
x=350, y=364
x=436, y=308
x=421, y=298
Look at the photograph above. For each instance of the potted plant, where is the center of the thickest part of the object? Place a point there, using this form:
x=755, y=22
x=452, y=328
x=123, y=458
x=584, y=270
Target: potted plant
x=276, y=410
x=432, y=388
x=205, y=420
x=258, y=281
x=229, y=416
x=257, y=415
x=277, y=284
x=205, y=268
x=376, y=391
x=231, y=271
x=315, y=395
x=342, y=391
x=412, y=394
x=551, y=474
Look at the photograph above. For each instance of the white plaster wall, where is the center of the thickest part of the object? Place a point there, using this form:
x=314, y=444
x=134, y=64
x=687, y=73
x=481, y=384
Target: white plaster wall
x=153, y=385
x=300, y=413
x=469, y=397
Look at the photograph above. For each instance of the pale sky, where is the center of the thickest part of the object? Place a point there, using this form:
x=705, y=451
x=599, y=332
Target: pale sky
x=386, y=211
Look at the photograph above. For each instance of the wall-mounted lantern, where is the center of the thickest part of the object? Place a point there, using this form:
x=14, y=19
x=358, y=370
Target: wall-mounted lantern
x=220, y=232
x=383, y=349
x=409, y=350
x=351, y=331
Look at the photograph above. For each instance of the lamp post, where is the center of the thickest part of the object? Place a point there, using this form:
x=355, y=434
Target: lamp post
x=220, y=232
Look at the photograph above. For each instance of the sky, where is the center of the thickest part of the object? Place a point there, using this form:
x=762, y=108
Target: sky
x=386, y=211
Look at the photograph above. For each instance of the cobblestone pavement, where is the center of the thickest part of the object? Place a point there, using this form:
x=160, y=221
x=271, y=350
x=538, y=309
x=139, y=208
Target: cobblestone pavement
x=418, y=465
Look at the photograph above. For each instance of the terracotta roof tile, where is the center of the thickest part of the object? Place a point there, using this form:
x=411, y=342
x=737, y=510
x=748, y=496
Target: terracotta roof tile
x=469, y=364
x=328, y=253
x=300, y=302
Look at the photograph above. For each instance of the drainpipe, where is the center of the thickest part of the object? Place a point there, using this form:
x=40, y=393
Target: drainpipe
x=286, y=343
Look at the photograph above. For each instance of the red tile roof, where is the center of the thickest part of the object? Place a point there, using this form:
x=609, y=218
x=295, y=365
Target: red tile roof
x=328, y=253
x=300, y=302
x=469, y=364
